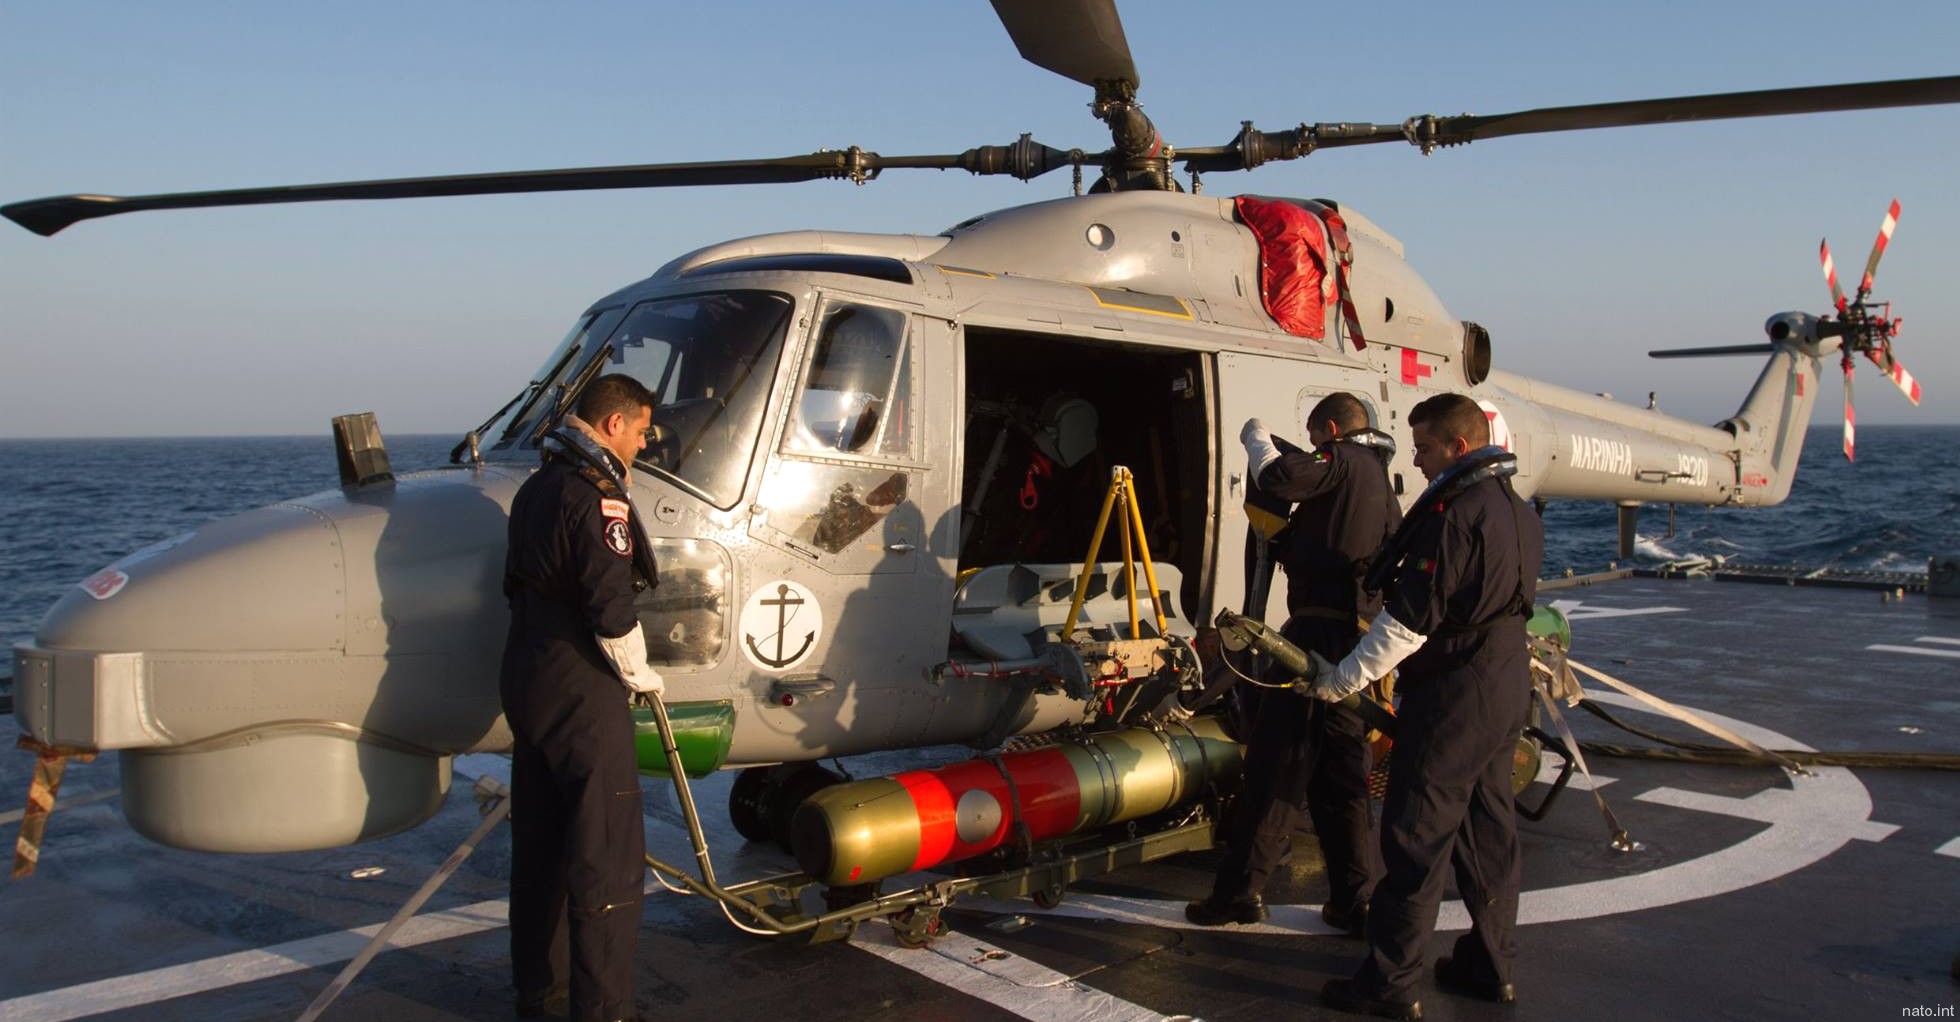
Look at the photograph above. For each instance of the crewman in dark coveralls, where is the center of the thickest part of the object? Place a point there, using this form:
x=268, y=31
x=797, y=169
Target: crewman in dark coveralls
x=1461, y=573
x=1299, y=747
x=574, y=658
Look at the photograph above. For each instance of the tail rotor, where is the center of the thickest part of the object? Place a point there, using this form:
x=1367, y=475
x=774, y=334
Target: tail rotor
x=1867, y=326
x=1862, y=326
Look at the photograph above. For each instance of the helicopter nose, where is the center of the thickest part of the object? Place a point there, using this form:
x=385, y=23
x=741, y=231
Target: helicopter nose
x=379, y=610
x=291, y=678
x=221, y=603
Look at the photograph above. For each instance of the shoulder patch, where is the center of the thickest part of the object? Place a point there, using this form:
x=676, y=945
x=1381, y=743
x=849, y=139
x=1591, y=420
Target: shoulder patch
x=619, y=538
x=612, y=508
x=1424, y=565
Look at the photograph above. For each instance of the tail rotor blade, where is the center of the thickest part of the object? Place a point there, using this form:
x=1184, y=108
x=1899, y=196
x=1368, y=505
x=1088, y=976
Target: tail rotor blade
x=1878, y=247
x=1896, y=373
x=1850, y=417
x=1830, y=273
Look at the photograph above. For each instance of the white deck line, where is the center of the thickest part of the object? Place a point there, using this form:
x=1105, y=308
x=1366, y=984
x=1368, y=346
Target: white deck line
x=1006, y=981
x=1950, y=654
x=121, y=993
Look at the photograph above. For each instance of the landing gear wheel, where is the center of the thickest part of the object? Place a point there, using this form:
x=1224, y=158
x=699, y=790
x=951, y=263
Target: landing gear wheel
x=1049, y=897
x=918, y=927
x=748, y=806
x=791, y=787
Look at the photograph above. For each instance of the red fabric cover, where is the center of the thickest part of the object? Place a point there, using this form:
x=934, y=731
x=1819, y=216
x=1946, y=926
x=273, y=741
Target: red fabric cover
x=1292, y=264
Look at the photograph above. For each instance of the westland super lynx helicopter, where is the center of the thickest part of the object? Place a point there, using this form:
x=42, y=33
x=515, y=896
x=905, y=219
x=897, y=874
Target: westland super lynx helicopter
x=878, y=464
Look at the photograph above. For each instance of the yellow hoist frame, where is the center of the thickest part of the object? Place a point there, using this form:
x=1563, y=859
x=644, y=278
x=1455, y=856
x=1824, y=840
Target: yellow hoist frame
x=1122, y=485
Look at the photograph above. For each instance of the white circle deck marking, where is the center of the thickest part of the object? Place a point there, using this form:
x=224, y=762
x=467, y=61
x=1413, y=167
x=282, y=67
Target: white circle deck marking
x=1809, y=820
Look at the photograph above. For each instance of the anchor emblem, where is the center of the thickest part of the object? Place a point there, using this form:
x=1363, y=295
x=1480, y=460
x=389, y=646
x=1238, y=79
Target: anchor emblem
x=786, y=603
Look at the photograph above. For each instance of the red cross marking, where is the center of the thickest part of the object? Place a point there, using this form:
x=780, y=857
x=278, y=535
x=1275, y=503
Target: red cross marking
x=1412, y=367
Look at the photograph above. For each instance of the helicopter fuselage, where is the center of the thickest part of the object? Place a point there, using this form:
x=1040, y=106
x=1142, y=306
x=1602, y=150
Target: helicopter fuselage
x=851, y=425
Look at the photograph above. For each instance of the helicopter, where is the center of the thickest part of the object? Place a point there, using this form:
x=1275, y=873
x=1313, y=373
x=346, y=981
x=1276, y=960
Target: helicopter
x=877, y=466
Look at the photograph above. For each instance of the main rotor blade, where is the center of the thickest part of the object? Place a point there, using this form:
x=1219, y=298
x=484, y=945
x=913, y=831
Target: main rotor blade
x=1078, y=39
x=1253, y=147
x=1025, y=159
x=1732, y=349
x=1885, y=228
x=1723, y=106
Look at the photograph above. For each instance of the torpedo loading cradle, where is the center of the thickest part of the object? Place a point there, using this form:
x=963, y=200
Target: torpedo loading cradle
x=1048, y=814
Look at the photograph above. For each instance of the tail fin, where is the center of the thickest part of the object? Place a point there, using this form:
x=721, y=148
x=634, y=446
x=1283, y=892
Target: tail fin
x=1769, y=427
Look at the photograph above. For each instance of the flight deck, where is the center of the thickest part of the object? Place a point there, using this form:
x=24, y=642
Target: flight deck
x=1748, y=893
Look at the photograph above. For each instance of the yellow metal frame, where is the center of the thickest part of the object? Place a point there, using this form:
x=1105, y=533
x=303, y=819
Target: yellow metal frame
x=1130, y=527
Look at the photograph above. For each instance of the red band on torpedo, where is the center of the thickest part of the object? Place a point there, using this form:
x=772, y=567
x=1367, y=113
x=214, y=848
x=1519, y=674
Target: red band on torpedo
x=936, y=822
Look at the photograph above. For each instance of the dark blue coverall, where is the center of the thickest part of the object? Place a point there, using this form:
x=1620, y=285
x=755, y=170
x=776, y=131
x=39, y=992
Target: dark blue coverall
x=577, y=843
x=1300, y=748
x=1467, y=576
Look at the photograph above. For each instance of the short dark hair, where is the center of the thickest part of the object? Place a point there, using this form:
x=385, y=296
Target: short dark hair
x=615, y=392
x=1451, y=416
x=1342, y=409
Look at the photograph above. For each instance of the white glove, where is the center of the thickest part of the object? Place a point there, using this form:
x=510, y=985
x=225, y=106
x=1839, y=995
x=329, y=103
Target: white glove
x=1259, y=449
x=1320, y=683
x=628, y=654
x=1388, y=642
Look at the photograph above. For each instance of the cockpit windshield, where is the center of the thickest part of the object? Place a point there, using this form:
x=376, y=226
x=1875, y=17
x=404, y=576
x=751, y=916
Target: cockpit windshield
x=709, y=358
x=548, y=379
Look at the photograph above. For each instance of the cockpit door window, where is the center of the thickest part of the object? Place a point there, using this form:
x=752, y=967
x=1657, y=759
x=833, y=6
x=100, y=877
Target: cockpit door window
x=843, y=487
x=855, y=394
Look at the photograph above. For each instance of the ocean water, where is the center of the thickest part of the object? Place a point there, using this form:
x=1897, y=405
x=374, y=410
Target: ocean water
x=69, y=507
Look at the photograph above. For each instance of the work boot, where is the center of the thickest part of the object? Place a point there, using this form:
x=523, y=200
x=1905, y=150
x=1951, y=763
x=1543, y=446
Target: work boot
x=1342, y=995
x=1216, y=911
x=1453, y=975
x=1352, y=920
x=553, y=1003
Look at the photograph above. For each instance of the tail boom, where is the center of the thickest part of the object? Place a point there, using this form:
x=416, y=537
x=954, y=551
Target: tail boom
x=1577, y=446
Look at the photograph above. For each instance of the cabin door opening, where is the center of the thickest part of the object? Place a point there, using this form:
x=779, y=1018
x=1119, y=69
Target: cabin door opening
x=1045, y=420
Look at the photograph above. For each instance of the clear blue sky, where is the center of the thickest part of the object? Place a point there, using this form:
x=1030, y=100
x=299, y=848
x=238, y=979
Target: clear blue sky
x=1579, y=251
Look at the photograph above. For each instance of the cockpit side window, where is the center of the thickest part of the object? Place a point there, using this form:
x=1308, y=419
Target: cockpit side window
x=524, y=422
x=856, y=391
